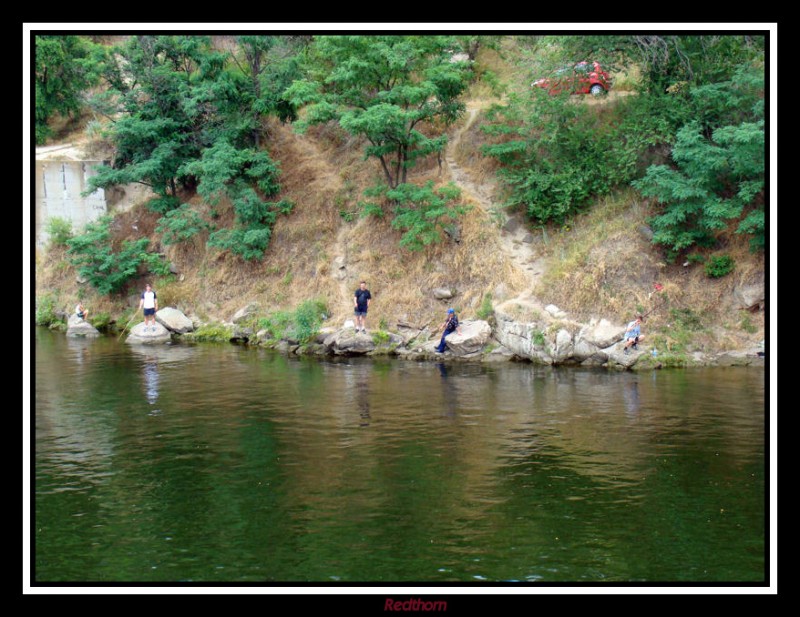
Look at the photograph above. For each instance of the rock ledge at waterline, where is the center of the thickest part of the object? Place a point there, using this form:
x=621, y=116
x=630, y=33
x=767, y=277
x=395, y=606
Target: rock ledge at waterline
x=78, y=328
x=520, y=331
x=148, y=335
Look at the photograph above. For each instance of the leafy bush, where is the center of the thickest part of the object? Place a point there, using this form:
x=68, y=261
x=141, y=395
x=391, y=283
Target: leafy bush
x=249, y=244
x=308, y=317
x=379, y=337
x=163, y=203
x=421, y=212
x=108, y=270
x=59, y=230
x=719, y=167
x=213, y=332
x=718, y=266
x=486, y=309
x=557, y=155
x=101, y=320
x=300, y=325
x=180, y=225
x=46, y=311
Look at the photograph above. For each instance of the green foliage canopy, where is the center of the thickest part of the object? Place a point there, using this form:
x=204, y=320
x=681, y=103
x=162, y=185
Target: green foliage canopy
x=718, y=172
x=384, y=88
x=108, y=269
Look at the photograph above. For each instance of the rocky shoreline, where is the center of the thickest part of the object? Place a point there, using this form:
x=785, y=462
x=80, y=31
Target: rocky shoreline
x=518, y=331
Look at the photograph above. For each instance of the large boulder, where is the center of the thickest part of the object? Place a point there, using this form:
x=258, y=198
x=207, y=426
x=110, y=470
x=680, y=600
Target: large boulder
x=348, y=342
x=442, y=293
x=473, y=338
x=174, y=320
x=563, y=347
x=149, y=335
x=750, y=296
x=78, y=328
x=601, y=334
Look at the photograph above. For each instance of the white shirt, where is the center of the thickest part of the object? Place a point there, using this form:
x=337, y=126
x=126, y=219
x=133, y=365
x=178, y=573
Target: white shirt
x=149, y=299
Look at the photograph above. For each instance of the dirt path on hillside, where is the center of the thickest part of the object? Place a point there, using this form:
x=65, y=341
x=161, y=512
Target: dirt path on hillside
x=326, y=180
x=515, y=240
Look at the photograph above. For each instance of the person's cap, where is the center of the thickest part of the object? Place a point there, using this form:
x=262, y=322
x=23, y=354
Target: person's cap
x=450, y=311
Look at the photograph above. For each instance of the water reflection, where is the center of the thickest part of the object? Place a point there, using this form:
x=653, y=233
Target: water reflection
x=632, y=404
x=266, y=467
x=449, y=392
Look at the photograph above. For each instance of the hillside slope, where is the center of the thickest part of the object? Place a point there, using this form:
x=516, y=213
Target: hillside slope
x=601, y=266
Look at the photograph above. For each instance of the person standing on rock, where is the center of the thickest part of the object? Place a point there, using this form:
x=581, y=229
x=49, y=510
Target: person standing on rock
x=450, y=325
x=361, y=301
x=633, y=335
x=149, y=304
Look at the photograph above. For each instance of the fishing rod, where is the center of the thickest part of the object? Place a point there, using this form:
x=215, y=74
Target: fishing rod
x=126, y=325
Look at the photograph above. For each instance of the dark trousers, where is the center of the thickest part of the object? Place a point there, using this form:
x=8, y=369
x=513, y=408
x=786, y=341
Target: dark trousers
x=442, y=345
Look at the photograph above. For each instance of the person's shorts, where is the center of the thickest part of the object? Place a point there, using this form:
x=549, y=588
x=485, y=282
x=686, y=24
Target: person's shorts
x=360, y=313
x=635, y=339
x=149, y=312
x=81, y=315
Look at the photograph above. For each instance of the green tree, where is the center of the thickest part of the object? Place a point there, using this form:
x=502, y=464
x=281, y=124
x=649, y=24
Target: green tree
x=108, y=268
x=267, y=65
x=60, y=78
x=718, y=171
x=160, y=89
x=384, y=89
x=557, y=155
x=669, y=60
x=422, y=213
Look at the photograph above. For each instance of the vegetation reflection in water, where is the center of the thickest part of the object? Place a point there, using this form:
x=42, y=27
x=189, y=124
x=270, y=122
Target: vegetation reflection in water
x=227, y=464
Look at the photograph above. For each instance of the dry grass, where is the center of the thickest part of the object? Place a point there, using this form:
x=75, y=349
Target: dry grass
x=600, y=267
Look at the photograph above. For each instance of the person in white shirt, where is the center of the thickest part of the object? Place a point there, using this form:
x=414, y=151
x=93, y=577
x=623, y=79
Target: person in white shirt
x=81, y=311
x=149, y=304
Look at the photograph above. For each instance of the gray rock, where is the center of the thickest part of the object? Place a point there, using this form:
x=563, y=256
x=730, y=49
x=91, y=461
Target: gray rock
x=601, y=334
x=78, y=328
x=442, y=293
x=511, y=225
x=174, y=320
x=750, y=296
x=563, y=348
x=528, y=239
x=555, y=311
x=473, y=338
x=739, y=358
x=245, y=313
x=499, y=354
x=348, y=342
x=148, y=335
x=645, y=232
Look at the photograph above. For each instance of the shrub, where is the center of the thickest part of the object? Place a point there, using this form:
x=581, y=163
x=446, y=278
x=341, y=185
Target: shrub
x=59, y=230
x=108, y=270
x=486, y=309
x=300, y=325
x=46, y=311
x=422, y=213
x=180, y=225
x=213, y=332
x=380, y=337
x=718, y=266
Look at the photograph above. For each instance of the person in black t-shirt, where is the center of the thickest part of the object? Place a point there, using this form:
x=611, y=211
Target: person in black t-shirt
x=361, y=301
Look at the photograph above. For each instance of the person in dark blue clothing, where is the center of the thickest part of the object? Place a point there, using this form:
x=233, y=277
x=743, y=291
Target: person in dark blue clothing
x=361, y=302
x=450, y=325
